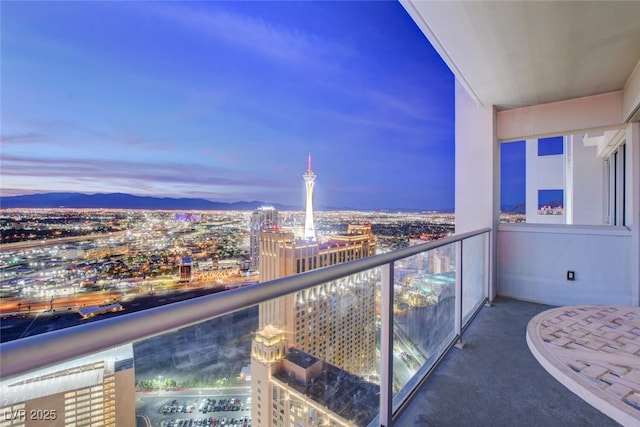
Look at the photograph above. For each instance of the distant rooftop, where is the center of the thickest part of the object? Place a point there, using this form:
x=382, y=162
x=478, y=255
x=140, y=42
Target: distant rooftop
x=301, y=358
x=331, y=244
x=94, y=310
x=347, y=395
x=72, y=375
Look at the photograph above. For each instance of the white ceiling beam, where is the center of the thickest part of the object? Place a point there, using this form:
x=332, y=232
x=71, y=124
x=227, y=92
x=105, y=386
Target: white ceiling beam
x=598, y=112
x=631, y=99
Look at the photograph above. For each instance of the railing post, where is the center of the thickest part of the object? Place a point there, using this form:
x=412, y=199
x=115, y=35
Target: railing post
x=386, y=346
x=458, y=295
x=489, y=275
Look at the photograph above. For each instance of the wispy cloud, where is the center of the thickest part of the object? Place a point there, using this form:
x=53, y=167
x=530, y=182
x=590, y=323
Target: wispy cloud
x=141, y=143
x=66, y=133
x=101, y=171
x=403, y=105
x=24, y=138
x=285, y=45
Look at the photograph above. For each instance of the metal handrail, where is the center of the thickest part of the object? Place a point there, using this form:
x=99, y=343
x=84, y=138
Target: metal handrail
x=39, y=351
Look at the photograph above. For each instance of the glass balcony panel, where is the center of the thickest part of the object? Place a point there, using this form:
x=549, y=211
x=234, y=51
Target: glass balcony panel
x=316, y=352
x=474, y=274
x=309, y=357
x=306, y=357
x=206, y=354
x=424, y=310
x=198, y=372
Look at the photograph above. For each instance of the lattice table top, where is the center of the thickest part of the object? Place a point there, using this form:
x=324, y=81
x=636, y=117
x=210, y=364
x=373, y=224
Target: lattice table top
x=595, y=352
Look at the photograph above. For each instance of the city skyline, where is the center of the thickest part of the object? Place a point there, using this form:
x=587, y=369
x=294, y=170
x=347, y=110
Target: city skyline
x=224, y=101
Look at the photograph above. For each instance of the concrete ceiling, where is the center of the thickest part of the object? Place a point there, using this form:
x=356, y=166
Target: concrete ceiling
x=519, y=53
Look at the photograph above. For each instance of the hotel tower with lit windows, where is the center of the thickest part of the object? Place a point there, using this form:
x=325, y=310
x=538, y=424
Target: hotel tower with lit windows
x=95, y=390
x=308, y=339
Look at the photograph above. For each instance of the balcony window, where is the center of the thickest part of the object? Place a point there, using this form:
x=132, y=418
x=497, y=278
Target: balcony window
x=615, y=172
x=574, y=179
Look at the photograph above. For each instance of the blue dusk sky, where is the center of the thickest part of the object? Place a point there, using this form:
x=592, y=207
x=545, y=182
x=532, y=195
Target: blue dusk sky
x=224, y=101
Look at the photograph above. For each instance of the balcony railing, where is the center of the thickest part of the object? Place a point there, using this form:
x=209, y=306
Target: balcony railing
x=407, y=308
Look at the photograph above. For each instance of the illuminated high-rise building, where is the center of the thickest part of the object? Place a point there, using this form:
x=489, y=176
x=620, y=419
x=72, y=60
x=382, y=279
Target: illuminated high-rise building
x=312, y=319
x=295, y=388
x=309, y=180
x=97, y=390
x=265, y=217
x=333, y=323
x=186, y=269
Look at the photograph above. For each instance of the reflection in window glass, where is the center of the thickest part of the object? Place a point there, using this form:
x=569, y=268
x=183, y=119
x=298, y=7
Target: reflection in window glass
x=550, y=146
x=550, y=202
x=512, y=182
